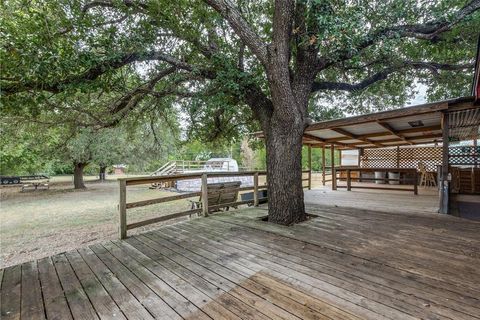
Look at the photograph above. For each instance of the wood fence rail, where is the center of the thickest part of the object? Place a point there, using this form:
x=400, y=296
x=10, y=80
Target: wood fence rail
x=125, y=182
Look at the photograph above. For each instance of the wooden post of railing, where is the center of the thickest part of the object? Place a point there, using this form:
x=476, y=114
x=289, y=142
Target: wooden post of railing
x=255, y=189
x=309, y=167
x=122, y=208
x=204, y=195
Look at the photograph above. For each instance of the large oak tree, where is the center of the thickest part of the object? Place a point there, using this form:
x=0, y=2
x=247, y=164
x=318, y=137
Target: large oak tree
x=229, y=62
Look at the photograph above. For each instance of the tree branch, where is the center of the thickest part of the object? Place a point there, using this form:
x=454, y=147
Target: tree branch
x=426, y=31
x=230, y=13
x=98, y=70
x=382, y=75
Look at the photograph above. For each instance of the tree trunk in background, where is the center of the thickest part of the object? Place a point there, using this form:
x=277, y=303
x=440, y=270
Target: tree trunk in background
x=78, y=175
x=102, y=173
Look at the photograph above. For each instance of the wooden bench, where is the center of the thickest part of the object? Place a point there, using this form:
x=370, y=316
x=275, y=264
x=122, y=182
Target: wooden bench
x=220, y=196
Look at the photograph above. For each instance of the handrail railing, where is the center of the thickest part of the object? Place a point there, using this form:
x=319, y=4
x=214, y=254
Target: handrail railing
x=125, y=182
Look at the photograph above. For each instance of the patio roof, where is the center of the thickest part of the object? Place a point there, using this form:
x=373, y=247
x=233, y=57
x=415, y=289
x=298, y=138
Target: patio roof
x=420, y=124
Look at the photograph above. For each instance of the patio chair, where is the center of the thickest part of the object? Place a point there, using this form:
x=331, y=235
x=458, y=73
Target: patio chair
x=427, y=179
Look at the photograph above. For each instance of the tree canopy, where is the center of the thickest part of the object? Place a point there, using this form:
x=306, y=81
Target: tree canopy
x=106, y=59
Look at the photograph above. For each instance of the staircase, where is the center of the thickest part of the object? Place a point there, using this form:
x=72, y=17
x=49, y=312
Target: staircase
x=175, y=167
x=168, y=168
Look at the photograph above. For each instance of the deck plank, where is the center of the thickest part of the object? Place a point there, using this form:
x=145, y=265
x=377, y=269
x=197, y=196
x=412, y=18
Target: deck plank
x=201, y=300
x=230, y=259
x=11, y=293
x=383, y=255
x=348, y=277
x=125, y=300
x=104, y=305
x=352, y=266
x=149, y=298
x=228, y=280
x=32, y=301
x=184, y=307
x=77, y=299
x=292, y=301
x=56, y=306
x=214, y=291
x=280, y=269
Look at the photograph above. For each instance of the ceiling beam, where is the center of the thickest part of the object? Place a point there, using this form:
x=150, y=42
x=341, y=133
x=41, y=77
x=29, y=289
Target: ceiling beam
x=314, y=138
x=394, y=132
x=411, y=140
x=386, y=133
x=353, y=136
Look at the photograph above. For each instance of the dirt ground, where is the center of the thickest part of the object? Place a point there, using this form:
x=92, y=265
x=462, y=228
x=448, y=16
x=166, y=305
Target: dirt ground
x=35, y=224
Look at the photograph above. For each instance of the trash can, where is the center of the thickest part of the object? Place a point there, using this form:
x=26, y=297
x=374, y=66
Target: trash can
x=394, y=175
x=380, y=175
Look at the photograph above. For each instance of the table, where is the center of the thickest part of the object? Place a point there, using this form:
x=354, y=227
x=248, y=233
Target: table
x=349, y=169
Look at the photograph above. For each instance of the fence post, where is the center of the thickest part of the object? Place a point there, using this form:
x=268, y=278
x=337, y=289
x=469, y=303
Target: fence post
x=204, y=195
x=255, y=189
x=122, y=208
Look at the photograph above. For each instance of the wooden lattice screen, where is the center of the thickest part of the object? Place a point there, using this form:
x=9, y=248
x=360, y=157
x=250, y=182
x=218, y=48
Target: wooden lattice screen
x=402, y=158
x=464, y=155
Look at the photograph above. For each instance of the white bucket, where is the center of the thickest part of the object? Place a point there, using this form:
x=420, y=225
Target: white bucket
x=379, y=175
x=394, y=175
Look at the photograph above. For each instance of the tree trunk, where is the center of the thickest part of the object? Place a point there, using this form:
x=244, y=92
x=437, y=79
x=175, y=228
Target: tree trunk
x=102, y=173
x=284, y=173
x=78, y=175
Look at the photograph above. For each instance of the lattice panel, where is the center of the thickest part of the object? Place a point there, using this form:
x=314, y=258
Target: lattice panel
x=379, y=158
x=465, y=155
x=431, y=157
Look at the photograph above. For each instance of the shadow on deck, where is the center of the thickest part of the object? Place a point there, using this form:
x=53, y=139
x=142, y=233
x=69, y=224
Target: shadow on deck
x=343, y=264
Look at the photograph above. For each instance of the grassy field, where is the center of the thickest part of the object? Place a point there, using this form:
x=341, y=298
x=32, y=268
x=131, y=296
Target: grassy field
x=39, y=223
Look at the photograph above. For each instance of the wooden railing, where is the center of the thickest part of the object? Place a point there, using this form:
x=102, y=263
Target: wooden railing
x=124, y=226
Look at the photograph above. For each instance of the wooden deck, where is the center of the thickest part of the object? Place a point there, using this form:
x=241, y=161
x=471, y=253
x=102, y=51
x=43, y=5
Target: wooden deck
x=425, y=202
x=343, y=264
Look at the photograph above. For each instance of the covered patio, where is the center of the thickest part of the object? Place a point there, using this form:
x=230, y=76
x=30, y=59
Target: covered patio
x=396, y=150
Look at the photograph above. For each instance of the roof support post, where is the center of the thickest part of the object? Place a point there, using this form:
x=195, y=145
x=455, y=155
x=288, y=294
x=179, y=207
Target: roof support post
x=332, y=163
x=444, y=188
x=398, y=156
x=360, y=155
x=475, y=146
x=309, y=167
x=323, y=165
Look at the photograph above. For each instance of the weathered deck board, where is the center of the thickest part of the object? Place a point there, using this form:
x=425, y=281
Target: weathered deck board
x=32, y=306
x=344, y=264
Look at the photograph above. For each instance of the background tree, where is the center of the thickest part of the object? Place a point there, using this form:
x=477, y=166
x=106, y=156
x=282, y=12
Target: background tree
x=230, y=62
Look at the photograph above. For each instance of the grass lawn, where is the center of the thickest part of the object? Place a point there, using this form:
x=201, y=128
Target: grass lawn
x=40, y=223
